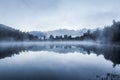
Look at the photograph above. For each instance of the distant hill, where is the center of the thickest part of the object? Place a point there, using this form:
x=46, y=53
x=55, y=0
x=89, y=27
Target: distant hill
x=59, y=32
x=10, y=34
x=37, y=33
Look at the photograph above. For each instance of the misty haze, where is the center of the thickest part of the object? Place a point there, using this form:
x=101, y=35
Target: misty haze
x=59, y=40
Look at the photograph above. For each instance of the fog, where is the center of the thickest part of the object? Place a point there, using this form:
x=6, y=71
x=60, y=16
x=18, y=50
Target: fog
x=65, y=59
x=27, y=43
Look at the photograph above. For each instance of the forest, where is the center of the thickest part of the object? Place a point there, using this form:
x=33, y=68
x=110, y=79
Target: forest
x=10, y=34
x=109, y=34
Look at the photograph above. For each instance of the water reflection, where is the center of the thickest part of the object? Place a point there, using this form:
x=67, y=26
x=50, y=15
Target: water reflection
x=111, y=53
x=108, y=76
x=58, y=61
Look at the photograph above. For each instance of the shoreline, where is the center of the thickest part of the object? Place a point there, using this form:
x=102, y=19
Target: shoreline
x=85, y=43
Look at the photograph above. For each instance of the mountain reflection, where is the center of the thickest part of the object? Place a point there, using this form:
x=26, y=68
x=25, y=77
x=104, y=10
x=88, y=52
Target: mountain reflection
x=111, y=53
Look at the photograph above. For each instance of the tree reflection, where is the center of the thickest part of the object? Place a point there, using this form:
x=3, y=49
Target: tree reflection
x=111, y=53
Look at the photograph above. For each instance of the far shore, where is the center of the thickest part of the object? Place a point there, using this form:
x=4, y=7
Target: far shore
x=27, y=43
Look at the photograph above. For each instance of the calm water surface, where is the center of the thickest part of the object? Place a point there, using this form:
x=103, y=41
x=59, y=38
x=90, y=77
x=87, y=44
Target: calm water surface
x=57, y=61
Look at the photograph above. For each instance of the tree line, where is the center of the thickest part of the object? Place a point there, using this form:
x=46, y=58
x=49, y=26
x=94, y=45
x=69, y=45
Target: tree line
x=109, y=34
x=10, y=34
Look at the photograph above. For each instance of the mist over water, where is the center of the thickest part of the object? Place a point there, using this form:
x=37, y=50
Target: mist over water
x=68, y=60
x=59, y=40
x=27, y=43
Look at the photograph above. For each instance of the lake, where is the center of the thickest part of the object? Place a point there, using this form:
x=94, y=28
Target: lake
x=58, y=61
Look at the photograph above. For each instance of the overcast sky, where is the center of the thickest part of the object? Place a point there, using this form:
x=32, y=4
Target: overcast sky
x=44, y=15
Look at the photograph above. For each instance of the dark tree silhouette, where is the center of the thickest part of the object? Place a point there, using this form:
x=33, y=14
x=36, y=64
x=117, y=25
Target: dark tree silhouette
x=51, y=37
x=10, y=34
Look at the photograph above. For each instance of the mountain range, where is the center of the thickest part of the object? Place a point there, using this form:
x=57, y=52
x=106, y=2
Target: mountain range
x=9, y=33
x=59, y=32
